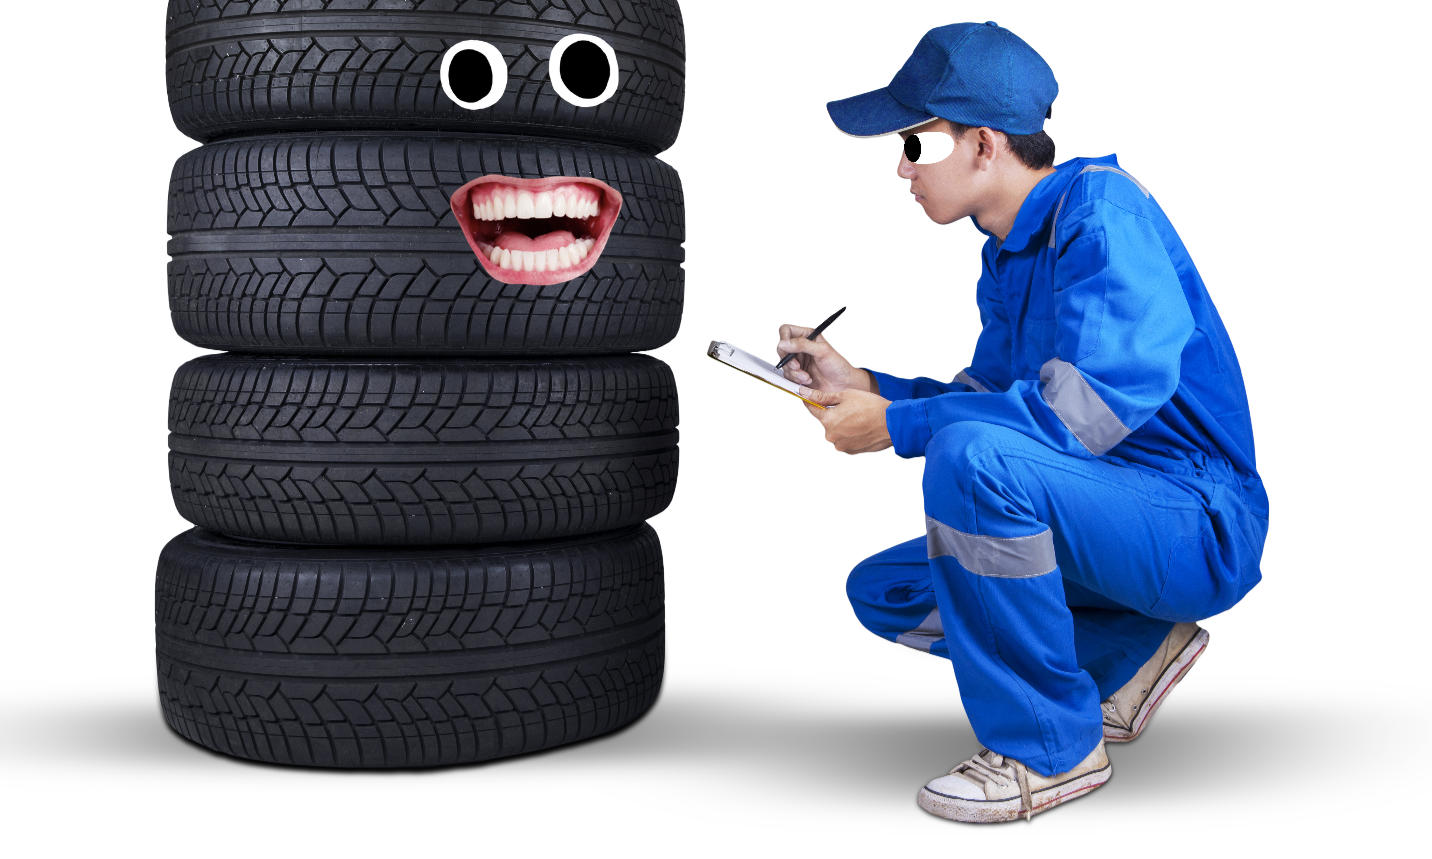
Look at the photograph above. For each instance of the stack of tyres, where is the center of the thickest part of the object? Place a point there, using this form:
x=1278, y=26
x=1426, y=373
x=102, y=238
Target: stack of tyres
x=427, y=237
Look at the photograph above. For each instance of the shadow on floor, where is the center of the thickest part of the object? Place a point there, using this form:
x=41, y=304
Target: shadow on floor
x=1185, y=750
x=742, y=736
x=881, y=752
x=102, y=734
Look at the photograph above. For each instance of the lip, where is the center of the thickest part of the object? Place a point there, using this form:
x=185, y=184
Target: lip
x=537, y=236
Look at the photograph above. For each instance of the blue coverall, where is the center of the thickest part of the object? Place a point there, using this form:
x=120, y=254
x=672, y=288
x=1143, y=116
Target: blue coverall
x=1089, y=478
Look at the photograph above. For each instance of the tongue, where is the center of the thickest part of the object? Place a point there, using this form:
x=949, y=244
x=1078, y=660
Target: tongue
x=555, y=240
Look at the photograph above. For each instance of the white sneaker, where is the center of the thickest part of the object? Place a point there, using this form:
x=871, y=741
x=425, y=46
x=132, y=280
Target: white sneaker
x=991, y=788
x=1129, y=709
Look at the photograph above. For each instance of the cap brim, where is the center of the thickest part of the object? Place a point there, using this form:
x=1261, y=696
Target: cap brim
x=874, y=113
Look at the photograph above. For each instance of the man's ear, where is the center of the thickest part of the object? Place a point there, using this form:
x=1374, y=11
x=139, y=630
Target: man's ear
x=988, y=145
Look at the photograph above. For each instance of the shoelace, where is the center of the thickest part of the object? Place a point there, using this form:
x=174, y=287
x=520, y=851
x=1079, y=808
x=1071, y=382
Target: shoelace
x=992, y=767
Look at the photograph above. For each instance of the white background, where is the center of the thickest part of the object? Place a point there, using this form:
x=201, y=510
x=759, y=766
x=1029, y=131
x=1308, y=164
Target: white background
x=1286, y=142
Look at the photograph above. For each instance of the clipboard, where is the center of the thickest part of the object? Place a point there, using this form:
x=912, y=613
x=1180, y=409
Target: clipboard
x=752, y=366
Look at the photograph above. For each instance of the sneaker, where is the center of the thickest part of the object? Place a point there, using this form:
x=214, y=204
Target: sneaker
x=991, y=788
x=1128, y=710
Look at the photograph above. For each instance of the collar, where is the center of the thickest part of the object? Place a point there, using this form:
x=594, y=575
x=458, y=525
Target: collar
x=1038, y=206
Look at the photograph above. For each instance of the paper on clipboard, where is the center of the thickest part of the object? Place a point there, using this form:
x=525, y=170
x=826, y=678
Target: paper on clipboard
x=749, y=364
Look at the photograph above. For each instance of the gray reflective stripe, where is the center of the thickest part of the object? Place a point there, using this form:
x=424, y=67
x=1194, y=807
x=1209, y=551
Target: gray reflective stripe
x=1091, y=168
x=883, y=133
x=1100, y=168
x=1054, y=223
x=1086, y=415
x=926, y=634
x=999, y=557
x=964, y=379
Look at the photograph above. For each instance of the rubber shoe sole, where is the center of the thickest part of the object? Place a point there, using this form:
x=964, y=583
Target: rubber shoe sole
x=1162, y=686
x=1005, y=810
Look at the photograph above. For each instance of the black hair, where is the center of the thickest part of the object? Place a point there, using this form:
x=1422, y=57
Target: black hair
x=1035, y=151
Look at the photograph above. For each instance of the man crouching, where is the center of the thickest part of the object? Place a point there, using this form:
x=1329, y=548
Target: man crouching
x=1090, y=487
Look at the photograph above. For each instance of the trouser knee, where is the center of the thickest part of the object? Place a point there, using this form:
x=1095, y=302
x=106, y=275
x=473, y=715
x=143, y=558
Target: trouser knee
x=891, y=591
x=966, y=471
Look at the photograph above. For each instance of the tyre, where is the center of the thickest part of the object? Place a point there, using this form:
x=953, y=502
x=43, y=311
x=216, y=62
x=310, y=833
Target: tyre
x=237, y=67
x=339, y=244
x=415, y=451
x=406, y=657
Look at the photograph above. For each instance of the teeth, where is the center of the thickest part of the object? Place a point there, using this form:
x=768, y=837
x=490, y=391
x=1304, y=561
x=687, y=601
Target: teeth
x=540, y=261
x=560, y=203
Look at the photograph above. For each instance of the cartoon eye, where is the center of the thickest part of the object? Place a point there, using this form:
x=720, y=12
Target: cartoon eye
x=583, y=69
x=929, y=147
x=474, y=74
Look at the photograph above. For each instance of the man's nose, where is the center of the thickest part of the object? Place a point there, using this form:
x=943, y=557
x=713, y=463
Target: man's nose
x=905, y=170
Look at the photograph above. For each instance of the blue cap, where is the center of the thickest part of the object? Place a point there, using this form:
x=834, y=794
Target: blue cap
x=972, y=74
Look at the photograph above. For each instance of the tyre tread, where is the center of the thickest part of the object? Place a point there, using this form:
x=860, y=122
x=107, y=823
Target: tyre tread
x=599, y=433
x=238, y=282
x=236, y=68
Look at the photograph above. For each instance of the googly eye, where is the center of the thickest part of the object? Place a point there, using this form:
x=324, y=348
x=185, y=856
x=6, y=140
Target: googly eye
x=474, y=74
x=583, y=70
x=929, y=147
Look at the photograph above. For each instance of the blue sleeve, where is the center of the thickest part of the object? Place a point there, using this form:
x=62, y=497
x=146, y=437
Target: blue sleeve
x=1121, y=322
x=990, y=369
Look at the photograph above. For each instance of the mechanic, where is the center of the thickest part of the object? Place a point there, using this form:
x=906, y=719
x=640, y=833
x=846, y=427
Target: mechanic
x=1089, y=487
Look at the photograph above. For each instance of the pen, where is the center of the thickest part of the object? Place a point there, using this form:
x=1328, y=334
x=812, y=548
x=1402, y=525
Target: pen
x=811, y=336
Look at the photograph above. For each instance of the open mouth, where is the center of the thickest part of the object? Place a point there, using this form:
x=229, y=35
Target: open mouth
x=536, y=231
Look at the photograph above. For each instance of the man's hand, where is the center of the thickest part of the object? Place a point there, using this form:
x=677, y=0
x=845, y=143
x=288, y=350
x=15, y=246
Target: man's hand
x=856, y=423
x=819, y=366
